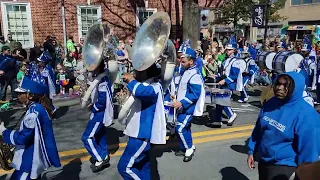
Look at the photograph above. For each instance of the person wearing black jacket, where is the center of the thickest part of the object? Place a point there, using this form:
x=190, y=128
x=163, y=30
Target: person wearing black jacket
x=8, y=77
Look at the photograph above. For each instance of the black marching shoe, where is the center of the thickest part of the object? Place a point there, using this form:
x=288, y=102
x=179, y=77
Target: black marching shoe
x=92, y=160
x=189, y=158
x=99, y=166
x=179, y=153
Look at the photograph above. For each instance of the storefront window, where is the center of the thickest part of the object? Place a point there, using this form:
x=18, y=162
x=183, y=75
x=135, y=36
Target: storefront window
x=307, y=1
x=295, y=2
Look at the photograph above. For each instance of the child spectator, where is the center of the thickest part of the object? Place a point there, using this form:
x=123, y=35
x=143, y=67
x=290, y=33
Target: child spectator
x=22, y=71
x=62, y=80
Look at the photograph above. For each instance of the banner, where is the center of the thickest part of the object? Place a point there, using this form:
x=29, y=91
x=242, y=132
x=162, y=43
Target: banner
x=258, y=18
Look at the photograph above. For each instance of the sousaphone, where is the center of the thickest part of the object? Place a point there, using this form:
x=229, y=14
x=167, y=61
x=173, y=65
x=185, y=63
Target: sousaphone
x=99, y=47
x=150, y=45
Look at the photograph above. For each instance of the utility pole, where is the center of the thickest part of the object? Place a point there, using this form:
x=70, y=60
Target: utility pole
x=63, y=15
x=266, y=24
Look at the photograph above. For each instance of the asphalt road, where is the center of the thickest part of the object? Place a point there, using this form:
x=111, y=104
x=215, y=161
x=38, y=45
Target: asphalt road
x=220, y=152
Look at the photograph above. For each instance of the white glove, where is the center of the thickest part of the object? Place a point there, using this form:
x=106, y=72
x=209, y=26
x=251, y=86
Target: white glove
x=2, y=128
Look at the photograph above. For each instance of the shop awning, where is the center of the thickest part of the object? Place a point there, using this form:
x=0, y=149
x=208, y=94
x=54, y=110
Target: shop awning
x=301, y=28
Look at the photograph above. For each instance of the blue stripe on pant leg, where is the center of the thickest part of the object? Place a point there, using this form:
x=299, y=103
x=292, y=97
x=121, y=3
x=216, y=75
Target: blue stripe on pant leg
x=218, y=117
x=101, y=139
x=228, y=111
x=20, y=175
x=136, y=152
x=88, y=139
x=183, y=129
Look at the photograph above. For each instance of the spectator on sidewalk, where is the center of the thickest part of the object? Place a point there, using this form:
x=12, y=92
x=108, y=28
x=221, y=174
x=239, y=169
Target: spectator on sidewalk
x=18, y=53
x=22, y=71
x=2, y=43
x=70, y=64
x=9, y=72
x=10, y=41
x=58, y=51
x=36, y=51
x=71, y=47
x=79, y=46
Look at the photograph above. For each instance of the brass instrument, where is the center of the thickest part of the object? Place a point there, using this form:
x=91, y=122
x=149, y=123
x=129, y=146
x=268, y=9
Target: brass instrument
x=7, y=151
x=99, y=47
x=150, y=45
x=6, y=154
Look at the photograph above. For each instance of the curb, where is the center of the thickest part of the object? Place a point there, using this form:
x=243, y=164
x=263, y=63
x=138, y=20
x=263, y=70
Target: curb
x=67, y=102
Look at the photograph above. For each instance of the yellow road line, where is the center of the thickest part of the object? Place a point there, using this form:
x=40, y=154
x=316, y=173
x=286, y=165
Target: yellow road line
x=222, y=131
x=194, y=135
x=196, y=141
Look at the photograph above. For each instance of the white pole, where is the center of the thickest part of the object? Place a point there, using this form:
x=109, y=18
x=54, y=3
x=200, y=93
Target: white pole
x=64, y=27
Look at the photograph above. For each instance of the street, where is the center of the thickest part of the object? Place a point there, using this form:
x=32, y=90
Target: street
x=220, y=153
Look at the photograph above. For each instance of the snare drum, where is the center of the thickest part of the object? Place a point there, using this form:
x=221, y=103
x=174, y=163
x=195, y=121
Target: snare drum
x=221, y=96
x=169, y=112
x=286, y=61
x=265, y=60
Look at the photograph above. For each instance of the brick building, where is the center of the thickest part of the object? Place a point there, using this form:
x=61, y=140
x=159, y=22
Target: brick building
x=30, y=21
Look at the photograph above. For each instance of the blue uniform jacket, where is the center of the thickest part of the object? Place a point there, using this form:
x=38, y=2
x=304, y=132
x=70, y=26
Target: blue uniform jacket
x=148, y=101
x=287, y=133
x=231, y=76
x=102, y=108
x=36, y=149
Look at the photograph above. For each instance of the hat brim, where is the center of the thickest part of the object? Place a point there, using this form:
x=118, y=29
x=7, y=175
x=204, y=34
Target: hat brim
x=230, y=48
x=179, y=51
x=20, y=90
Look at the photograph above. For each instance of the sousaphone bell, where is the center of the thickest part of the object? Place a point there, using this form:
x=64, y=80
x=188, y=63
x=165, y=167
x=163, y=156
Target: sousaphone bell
x=150, y=45
x=99, y=47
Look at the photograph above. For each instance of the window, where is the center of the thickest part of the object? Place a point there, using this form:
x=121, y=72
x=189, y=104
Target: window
x=17, y=22
x=87, y=16
x=143, y=14
x=300, y=2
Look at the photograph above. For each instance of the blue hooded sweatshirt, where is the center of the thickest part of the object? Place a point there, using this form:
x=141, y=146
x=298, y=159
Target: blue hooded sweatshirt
x=286, y=131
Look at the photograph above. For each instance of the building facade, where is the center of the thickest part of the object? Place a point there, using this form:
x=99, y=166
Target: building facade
x=30, y=21
x=302, y=16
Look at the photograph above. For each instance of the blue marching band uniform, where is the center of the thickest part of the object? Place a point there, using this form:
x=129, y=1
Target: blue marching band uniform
x=94, y=136
x=232, y=77
x=307, y=68
x=248, y=76
x=191, y=95
x=145, y=125
x=47, y=74
x=146, y=122
x=35, y=146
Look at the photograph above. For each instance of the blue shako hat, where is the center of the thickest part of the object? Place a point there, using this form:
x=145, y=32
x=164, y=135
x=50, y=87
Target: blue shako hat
x=180, y=50
x=34, y=83
x=27, y=85
x=45, y=57
x=306, y=44
x=189, y=52
x=184, y=44
x=232, y=43
x=283, y=43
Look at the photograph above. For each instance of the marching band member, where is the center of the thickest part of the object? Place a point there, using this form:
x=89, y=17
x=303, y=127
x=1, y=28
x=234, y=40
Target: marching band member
x=231, y=80
x=190, y=102
x=94, y=136
x=305, y=69
x=145, y=123
x=247, y=76
x=48, y=73
x=35, y=146
x=308, y=64
x=282, y=46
